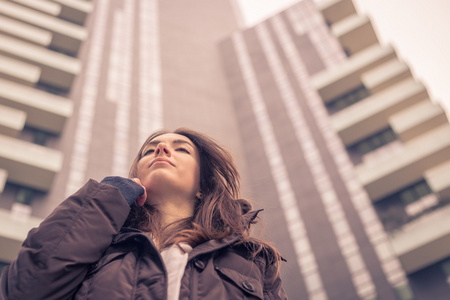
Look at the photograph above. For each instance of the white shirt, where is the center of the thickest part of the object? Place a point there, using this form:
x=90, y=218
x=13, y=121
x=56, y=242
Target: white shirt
x=175, y=261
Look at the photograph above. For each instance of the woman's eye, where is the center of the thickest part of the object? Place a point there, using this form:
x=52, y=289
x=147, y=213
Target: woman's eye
x=149, y=151
x=183, y=150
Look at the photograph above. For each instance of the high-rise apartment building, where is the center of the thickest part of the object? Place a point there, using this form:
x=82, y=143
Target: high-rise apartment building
x=83, y=83
x=334, y=137
x=348, y=142
x=40, y=42
x=399, y=141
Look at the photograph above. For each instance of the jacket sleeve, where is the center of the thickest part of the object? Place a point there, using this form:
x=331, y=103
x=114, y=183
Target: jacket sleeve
x=55, y=257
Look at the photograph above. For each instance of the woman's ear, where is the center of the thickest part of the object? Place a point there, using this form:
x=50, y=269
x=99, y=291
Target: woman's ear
x=199, y=195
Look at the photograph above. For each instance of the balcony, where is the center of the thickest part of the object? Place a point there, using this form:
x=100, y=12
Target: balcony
x=13, y=232
x=12, y=120
x=44, y=111
x=355, y=33
x=74, y=11
x=406, y=167
x=439, y=180
x=336, y=10
x=29, y=164
x=370, y=115
x=385, y=76
x=18, y=71
x=334, y=82
x=25, y=32
x=66, y=36
x=3, y=178
x=57, y=69
x=417, y=119
x=424, y=241
x=347, y=99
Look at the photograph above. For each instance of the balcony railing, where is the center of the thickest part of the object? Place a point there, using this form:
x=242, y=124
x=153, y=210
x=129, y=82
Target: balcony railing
x=347, y=99
x=423, y=241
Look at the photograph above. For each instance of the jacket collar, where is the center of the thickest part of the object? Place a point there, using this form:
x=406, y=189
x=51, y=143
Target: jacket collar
x=214, y=245
x=251, y=216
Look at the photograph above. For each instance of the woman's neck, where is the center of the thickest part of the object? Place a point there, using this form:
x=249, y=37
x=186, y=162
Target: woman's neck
x=171, y=213
x=173, y=209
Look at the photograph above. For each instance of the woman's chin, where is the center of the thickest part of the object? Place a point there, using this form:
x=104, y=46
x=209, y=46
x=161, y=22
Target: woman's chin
x=155, y=180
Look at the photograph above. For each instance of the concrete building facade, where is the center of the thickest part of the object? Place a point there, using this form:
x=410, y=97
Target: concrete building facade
x=41, y=43
x=338, y=130
x=333, y=136
x=82, y=85
x=398, y=140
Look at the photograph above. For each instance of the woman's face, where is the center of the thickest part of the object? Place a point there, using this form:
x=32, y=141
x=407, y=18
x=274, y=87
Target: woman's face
x=170, y=165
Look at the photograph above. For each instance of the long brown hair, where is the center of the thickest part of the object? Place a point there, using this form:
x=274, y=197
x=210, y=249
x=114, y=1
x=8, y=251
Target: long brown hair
x=219, y=214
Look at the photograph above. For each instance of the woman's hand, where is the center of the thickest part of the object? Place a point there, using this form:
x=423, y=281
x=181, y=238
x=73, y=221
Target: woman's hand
x=142, y=198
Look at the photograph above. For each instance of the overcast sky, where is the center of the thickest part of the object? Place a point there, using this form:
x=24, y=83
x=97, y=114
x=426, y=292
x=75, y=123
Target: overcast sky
x=418, y=29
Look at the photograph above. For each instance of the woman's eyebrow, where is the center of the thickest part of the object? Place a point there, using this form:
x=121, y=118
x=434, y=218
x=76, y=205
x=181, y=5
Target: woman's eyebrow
x=179, y=141
x=183, y=142
x=153, y=143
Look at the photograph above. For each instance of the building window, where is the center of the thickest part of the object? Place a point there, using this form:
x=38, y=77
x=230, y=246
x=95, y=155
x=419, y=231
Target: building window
x=404, y=292
x=24, y=196
x=414, y=192
x=347, y=52
x=350, y=98
x=374, y=141
x=40, y=137
x=51, y=89
x=21, y=208
x=406, y=205
x=62, y=51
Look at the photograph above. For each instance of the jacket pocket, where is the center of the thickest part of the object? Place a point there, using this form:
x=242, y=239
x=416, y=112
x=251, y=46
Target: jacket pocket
x=101, y=277
x=248, y=285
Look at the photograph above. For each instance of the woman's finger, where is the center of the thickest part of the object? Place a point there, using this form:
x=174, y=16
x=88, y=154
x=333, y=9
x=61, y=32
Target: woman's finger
x=142, y=198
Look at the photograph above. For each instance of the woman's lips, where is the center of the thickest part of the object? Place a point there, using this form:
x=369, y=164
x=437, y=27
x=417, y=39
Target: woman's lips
x=161, y=160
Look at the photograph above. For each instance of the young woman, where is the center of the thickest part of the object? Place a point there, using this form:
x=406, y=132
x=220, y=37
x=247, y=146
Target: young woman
x=175, y=230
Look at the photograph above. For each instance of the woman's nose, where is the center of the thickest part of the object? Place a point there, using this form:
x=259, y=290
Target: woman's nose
x=162, y=149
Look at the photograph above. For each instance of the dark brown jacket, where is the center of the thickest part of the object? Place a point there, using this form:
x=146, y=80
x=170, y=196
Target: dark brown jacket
x=81, y=251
